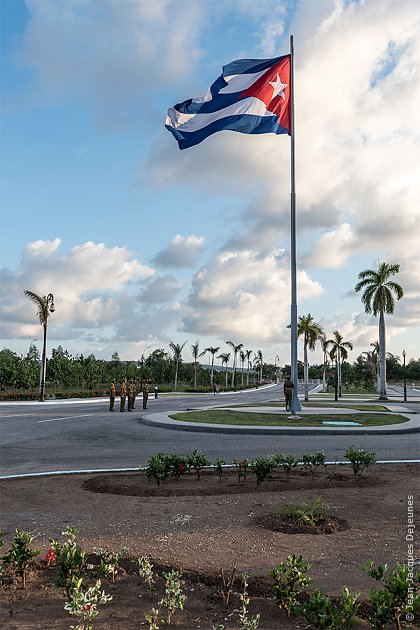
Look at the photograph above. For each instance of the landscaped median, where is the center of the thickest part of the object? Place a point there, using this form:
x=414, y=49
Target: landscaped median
x=250, y=417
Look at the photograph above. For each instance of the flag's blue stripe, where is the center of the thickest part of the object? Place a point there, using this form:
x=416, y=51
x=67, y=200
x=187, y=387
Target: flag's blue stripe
x=244, y=123
x=219, y=102
x=249, y=66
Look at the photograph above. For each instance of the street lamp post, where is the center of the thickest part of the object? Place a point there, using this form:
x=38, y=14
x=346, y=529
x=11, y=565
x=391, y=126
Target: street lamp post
x=49, y=306
x=405, y=377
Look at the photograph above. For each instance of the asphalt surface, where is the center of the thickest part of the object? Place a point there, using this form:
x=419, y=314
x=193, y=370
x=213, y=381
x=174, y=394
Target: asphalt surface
x=84, y=435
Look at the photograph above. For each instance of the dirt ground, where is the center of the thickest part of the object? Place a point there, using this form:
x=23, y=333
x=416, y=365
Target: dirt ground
x=200, y=527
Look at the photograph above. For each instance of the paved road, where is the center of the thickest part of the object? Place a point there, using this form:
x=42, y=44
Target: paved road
x=84, y=435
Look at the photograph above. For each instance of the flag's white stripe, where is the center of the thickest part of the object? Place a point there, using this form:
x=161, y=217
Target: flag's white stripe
x=236, y=83
x=194, y=122
x=239, y=82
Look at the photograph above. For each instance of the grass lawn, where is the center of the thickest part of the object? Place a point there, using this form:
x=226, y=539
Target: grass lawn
x=220, y=416
x=357, y=407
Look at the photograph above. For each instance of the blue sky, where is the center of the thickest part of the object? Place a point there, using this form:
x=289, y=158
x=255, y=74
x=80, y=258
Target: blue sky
x=142, y=244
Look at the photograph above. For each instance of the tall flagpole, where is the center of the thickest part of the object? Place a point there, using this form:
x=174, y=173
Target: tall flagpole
x=295, y=406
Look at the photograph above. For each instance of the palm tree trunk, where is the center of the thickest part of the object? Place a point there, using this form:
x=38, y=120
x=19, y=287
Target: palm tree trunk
x=176, y=375
x=340, y=391
x=195, y=375
x=305, y=367
x=382, y=357
x=226, y=375
x=233, y=372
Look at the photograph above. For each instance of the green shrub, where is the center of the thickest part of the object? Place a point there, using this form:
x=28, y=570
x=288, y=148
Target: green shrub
x=302, y=514
x=158, y=467
x=197, y=460
x=398, y=597
x=262, y=467
x=20, y=555
x=290, y=581
x=360, y=460
x=324, y=613
x=312, y=462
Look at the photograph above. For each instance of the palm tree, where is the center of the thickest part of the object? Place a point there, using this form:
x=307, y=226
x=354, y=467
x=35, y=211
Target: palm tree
x=371, y=358
x=45, y=306
x=311, y=332
x=177, y=350
x=212, y=352
x=195, y=352
x=225, y=356
x=324, y=347
x=235, y=352
x=258, y=361
x=378, y=298
x=339, y=353
x=242, y=356
x=249, y=364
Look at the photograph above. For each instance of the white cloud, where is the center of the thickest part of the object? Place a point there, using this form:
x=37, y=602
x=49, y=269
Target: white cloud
x=183, y=251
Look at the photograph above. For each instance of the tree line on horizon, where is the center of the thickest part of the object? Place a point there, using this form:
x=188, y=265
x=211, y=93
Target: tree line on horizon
x=378, y=292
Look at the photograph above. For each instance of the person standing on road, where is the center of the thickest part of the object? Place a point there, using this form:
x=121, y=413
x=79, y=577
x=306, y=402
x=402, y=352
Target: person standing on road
x=156, y=391
x=130, y=391
x=133, y=380
x=288, y=388
x=145, y=394
x=112, y=395
x=123, y=394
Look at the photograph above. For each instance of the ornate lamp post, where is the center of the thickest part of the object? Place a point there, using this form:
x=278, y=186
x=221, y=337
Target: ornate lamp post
x=405, y=377
x=49, y=308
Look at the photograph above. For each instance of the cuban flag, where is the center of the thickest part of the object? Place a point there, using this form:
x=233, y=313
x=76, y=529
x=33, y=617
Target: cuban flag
x=250, y=96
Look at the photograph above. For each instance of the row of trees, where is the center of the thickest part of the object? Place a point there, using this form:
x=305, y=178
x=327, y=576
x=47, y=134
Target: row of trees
x=378, y=291
x=161, y=367
x=378, y=297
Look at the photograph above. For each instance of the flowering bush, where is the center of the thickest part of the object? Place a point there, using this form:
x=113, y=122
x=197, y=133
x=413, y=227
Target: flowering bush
x=71, y=559
x=84, y=604
x=241, y=468
x=197, y=460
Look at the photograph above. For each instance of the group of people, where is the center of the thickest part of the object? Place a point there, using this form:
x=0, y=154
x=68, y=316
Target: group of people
x=128, y=392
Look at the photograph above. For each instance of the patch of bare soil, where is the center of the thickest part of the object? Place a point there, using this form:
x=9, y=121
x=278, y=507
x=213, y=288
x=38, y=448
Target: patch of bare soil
x=200, y=527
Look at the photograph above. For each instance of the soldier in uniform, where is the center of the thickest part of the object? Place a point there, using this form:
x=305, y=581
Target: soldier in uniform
x=288, y=388
x=130, y=393
x=145, y=394
x=123, y=394
x=134, y=393
x=112, y=395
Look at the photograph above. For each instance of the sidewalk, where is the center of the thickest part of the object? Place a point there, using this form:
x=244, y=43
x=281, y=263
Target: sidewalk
x=164, y=421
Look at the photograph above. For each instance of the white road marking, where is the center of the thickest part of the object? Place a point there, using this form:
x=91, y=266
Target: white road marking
x=65, y=418
x=16, y=415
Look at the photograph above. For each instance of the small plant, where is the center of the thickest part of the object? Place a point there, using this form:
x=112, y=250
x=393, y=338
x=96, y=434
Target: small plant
x=360, y=460
x=197, y=460
x=70, y=557
x=20, y=555
x=84, y=604
x=178, y=464
x=325, y=614
x=290, y=581
x=158, y=467
x=50, y=557
x=391, y=602
x=228, y=579
x=145, y=569
x=247, y=623
x=174, y=598
x=301, y=514
x=218, y=467
x=262, y=467
x=108, y=561
x=241, y=468
x=312, y=462
x=153, y=619
x=287, y=462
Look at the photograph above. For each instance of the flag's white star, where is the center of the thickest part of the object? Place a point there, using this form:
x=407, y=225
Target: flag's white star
x=278, y=87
